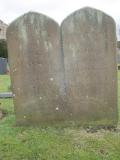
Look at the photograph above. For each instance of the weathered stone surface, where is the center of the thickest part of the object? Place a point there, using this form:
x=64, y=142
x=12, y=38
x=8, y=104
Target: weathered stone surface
x=89, y=46
x=36, y=69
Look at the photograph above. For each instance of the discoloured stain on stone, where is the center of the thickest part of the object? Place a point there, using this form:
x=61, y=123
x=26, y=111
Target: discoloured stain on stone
x=99, y=16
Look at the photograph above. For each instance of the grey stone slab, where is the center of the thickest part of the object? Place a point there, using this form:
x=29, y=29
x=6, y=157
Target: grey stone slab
x=36, y=69
x=6, y=95
x=3, y=65
x=118, y=56
x=89, y=46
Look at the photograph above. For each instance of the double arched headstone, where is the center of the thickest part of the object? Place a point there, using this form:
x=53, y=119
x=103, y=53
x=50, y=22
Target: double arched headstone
x=64, y=73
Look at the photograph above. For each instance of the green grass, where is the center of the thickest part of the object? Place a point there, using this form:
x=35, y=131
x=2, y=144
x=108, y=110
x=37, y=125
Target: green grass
x=4, y=83
x=53, y=143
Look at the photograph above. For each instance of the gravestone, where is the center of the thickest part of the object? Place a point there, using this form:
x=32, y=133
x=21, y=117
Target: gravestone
x=6, y=95
x=67, y=73
x=36, y=66
x=3, y=65
x=118, y=52
x=118, y=56
x=89, y=46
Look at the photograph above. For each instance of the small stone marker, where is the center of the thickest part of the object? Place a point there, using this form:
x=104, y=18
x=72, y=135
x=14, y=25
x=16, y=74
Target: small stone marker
x=36, y=69
x=89, y=46
x=6, y=95
x=3, y=65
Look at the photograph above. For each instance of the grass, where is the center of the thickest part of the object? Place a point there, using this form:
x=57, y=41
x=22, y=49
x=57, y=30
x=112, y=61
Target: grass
x=53, y=143
x=4, y=83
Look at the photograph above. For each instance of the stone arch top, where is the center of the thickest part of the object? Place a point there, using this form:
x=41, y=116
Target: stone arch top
x=89, y=13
